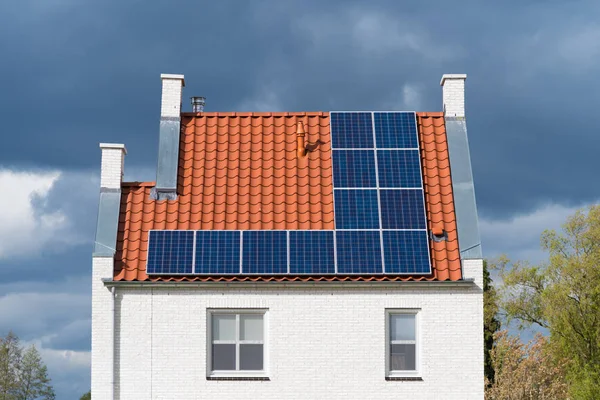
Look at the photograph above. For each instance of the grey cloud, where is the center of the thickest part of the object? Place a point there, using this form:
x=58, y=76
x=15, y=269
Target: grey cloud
x=529, y=85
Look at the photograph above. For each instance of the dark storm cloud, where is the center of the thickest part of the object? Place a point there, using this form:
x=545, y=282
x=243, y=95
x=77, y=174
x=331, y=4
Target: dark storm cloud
x=77, y=73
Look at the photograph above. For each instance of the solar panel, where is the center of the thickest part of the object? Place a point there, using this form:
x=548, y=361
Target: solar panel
x=397, y=130
x=356, y=209
x=399, y=168
x=311, y=252
x=353, y=130
x=359, y=252
x=406, y=252
x=170, y=252
x=354, y=168
x=217, y=252
x=402, y=209
x=264, y=252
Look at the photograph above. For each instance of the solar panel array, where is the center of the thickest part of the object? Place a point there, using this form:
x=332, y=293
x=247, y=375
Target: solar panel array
x=380, y=224
x=378, y=194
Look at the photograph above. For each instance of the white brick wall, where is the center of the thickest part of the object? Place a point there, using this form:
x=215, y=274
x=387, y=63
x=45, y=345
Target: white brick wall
x=171, y=95
x=324, y=343
x=111, y=170
x=454, y=94
x=473, y=269
x=102, y=267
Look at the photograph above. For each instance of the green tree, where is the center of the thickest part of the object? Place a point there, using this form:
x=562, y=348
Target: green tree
x=491, y=323
x=87, y=396
x=33, y=377
x=563, y=296
x=10, y=359
x=23, y=375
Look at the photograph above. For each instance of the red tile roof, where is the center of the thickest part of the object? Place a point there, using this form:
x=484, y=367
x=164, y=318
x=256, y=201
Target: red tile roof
x=242, y=171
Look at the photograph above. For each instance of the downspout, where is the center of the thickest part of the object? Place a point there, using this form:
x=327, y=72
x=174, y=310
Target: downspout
x=112, y=343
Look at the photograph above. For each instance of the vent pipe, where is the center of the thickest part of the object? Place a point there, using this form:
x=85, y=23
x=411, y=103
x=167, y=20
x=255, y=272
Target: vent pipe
x=300, y=135
x=198, y=103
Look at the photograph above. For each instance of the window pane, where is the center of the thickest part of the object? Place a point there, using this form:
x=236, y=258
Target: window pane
x=251, y=357
x=223, y=327
x=223, y=357
x=402, y=327
x=251, y=327
x=402, y=357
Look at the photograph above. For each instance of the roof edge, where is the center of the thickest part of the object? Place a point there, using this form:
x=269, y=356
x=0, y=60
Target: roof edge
x=465, y=283
x=255, y=114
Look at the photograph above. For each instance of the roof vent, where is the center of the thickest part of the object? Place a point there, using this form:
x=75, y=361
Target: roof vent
x=198, y=103
x=438, y=233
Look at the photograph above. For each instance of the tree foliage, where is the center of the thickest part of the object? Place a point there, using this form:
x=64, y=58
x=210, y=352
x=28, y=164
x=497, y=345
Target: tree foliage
x=23, y=375
x=525, y=372
x=563, y=296
x=87, y=396
x=491, y=322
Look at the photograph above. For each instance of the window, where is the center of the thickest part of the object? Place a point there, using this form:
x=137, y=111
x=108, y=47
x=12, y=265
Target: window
x=402, y=344
x=237, y=342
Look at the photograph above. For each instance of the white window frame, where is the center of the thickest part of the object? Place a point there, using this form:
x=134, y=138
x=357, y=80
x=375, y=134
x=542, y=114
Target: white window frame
x=417, y=342
x=209, y=342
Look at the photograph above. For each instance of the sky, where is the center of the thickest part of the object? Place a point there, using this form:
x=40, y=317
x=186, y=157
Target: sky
x=75, y=73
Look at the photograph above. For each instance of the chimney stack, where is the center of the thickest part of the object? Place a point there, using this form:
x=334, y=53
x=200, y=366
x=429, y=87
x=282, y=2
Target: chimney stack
x=453, y=87
x=168, y=146
x=113, y=159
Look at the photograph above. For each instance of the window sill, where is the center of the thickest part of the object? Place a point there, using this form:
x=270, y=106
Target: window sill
x=237, y=378
x=404, y=378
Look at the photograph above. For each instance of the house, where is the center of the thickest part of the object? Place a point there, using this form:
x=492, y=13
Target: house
x=291, y=255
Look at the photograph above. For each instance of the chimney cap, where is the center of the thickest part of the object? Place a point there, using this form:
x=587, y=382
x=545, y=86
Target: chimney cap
x=113, y=146
x=175, y=77
x=452, y=76
x=198, y=103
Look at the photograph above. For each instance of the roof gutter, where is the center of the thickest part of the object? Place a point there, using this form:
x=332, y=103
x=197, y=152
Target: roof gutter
x=466, y=283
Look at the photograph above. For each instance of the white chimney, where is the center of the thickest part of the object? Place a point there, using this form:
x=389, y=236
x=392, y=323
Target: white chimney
x=113, y=159
x=171, y=95
x=453, y=88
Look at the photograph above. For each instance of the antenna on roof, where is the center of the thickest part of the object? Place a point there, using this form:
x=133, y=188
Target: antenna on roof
x=198, y=103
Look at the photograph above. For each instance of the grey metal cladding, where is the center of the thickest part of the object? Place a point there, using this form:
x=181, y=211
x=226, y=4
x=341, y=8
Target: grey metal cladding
x=464, y=191
x=108, y=222
x=168, y=155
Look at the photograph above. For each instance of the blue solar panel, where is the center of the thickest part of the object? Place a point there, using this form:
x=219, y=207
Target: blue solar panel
x=402, y=209
x=170, y=252
x=354, y=168
x=396, y=130
x=351, y=130
x=359, y=252
x=264, y=252
x=217, y=252
x=406, y=252
x=398, y=168
x=311, y=252
x=356, y=209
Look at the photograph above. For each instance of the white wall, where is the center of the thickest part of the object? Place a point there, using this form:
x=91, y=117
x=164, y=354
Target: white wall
x=324, y=343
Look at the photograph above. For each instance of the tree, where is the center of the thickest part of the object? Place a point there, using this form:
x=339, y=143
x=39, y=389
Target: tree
x=563, y=296
x=491, y=323
x=23, y=375
x=10, y=359
x=33, y=377
x=525, y=372
x=87, y=396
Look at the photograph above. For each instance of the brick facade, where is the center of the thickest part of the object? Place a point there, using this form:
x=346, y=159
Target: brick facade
x=323, y=342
